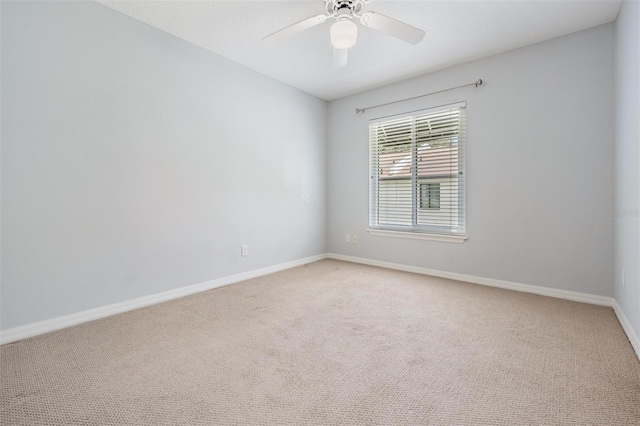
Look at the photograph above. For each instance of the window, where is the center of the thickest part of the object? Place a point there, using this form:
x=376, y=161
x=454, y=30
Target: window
x=430, y=196
x=417, y=166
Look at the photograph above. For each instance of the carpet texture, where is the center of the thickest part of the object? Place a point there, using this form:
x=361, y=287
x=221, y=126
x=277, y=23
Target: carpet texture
x=332, y=343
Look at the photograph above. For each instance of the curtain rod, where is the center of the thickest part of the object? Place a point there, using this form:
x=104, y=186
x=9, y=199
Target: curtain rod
x=475, y=83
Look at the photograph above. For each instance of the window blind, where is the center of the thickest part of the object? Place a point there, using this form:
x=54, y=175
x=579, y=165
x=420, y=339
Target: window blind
x=417, y=171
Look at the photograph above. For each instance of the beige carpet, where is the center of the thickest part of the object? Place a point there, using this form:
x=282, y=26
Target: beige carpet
x=332, y=343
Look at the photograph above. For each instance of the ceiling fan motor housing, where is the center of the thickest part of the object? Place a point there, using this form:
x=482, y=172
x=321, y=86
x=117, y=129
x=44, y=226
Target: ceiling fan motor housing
x=339, y=7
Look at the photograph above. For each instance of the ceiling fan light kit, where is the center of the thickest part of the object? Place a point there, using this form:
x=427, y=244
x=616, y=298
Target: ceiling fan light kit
x=344, y=32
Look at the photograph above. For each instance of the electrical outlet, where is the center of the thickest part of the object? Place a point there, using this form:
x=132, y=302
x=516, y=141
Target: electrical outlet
x=347, y=238
x=623, y=284
x=244, y=250
x=354, y=239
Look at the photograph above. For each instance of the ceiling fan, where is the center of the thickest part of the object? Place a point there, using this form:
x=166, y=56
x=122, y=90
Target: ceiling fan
x=344, y=31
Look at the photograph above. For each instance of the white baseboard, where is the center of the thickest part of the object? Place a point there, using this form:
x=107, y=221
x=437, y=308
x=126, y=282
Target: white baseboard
x=41, y=327
x=526, y=288
x=626, y=326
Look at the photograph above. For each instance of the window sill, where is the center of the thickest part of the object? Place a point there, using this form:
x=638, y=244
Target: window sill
x=418, y=236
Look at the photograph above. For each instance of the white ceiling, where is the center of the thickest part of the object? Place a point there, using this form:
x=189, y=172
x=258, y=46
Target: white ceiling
x=456, y=32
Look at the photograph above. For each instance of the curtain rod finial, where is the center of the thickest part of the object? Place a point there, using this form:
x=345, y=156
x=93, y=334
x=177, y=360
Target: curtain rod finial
x=479, y=82
x=358, y=110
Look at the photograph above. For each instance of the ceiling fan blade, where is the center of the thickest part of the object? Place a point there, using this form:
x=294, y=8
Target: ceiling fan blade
x=295, y=28
x=393, y=27
x=340, y=57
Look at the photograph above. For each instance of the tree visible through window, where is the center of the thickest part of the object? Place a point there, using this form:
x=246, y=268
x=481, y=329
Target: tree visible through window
x=417, y=172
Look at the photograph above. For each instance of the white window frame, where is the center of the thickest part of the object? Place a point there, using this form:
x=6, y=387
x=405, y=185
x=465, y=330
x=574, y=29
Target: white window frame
x=454, y=233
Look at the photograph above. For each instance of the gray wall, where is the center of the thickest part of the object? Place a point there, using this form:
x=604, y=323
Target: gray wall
x=539, y=166
x=134, y=163
x=627, y=161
